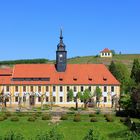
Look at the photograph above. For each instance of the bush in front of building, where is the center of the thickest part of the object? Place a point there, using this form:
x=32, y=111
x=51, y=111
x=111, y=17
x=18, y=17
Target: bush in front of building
x=64, y=117
x=93, y=119
x=14, y=118
x=8, y=114
x=2, y=118
x=109, y=118
x=92, y=115
x=77, y=118
x=31, y=119
x=46, y=117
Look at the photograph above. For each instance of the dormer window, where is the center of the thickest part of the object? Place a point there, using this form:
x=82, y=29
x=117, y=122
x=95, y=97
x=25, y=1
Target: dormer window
x=104, y=78
x=60, y=79
x=75, y=78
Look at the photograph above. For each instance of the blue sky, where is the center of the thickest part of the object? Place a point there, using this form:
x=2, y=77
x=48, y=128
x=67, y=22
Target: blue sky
x=30, y=28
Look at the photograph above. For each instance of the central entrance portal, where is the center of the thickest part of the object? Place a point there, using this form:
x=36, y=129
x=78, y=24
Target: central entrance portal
x=32, y=100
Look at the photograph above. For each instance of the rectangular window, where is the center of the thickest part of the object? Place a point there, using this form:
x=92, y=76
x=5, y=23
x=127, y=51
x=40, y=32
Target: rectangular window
x=105, y=99
x=68, y=99
x=39, y=88
x=24, y=88
x=7, y=88
x=105, y=89
x=16, y=99
x=61, y=88
x=39, y=99
x=75, y=89
x=54, y=89
x=74, y=99
x=16, y=88
x=54, y=98
x=112, y=89
x=24, y=98
x=61, y=99
x=47, y=88
x=89, y=88
x=82, y=88
x=32, y=89
x=47, y=99
x=68, y=88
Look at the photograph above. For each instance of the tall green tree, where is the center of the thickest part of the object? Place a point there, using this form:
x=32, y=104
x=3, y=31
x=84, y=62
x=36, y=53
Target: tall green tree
x=135, y=70
x=112, y=68
x=98, y=94
x=86, y=96
x=78, y=96
x=70, y=95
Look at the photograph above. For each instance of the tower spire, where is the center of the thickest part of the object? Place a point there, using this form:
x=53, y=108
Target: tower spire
x=61, y=36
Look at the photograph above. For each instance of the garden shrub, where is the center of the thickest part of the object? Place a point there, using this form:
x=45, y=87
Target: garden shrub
x=109, y=118
x=31, y=119
x=77, y=118
x=14, y=118
x=93, y=120
x=77, y=114
x=98, y=111
x=46, y=117
x=92, y=115
x=2, y=118
x=8, y=114
x=125, y=119
x=64, y=117
x=72, y=112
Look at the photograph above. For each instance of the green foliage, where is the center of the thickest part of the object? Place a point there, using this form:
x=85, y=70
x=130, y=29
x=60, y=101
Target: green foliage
x=50, y=135
x=93, y=120
x=31, y=119
x=13, y=136
x=77, y=118
x=24, y=61
x=135, y=70
x=46, y=117
x=64, y=117
x=113, y=52
x=120, y=71
x=98, y=93
x=92, y=115
x=14, y=118
x=125, y=101
x=108, y=117
x=2, y=118
x=93, y=135
x=70, y=94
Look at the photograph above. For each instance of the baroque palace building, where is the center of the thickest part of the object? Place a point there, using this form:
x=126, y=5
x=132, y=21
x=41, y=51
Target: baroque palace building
x=26, y=84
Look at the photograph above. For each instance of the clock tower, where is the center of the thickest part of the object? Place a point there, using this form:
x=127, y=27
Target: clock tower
x=61, y=55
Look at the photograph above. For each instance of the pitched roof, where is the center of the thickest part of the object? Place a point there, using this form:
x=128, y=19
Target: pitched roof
x=75, y=74
x=106, y=50
x=5, y=71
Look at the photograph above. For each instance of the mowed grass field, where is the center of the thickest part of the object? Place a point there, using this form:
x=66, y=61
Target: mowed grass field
x=70, y=129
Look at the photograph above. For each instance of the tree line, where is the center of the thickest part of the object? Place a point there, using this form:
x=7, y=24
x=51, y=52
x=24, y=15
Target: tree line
x=24, y=61
x=130, y=86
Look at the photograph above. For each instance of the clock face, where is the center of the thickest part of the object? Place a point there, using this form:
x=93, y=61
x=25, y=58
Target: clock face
x=60, y=55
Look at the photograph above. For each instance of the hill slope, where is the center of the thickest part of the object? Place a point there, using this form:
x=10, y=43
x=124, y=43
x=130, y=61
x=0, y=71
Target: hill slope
x=127, y=59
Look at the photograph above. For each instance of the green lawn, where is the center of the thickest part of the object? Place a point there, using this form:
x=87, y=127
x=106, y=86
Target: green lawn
x=71, y=130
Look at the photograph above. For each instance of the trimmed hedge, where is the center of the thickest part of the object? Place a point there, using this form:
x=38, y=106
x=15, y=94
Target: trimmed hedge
x=46, y=117
x=64, y=117
x=31, y=119
x=93, y=120
x=92, y=115
x=14, y=118
x=77, y=118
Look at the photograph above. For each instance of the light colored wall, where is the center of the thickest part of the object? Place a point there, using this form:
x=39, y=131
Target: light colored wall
x=102, y=54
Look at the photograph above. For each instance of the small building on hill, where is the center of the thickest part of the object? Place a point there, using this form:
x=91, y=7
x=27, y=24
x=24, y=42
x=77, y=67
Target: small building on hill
x=106, y=53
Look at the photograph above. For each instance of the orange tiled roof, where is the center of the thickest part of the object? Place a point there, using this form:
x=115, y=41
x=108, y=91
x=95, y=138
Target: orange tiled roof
x=5, y=71
x=75, y=74
x=106, y=50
